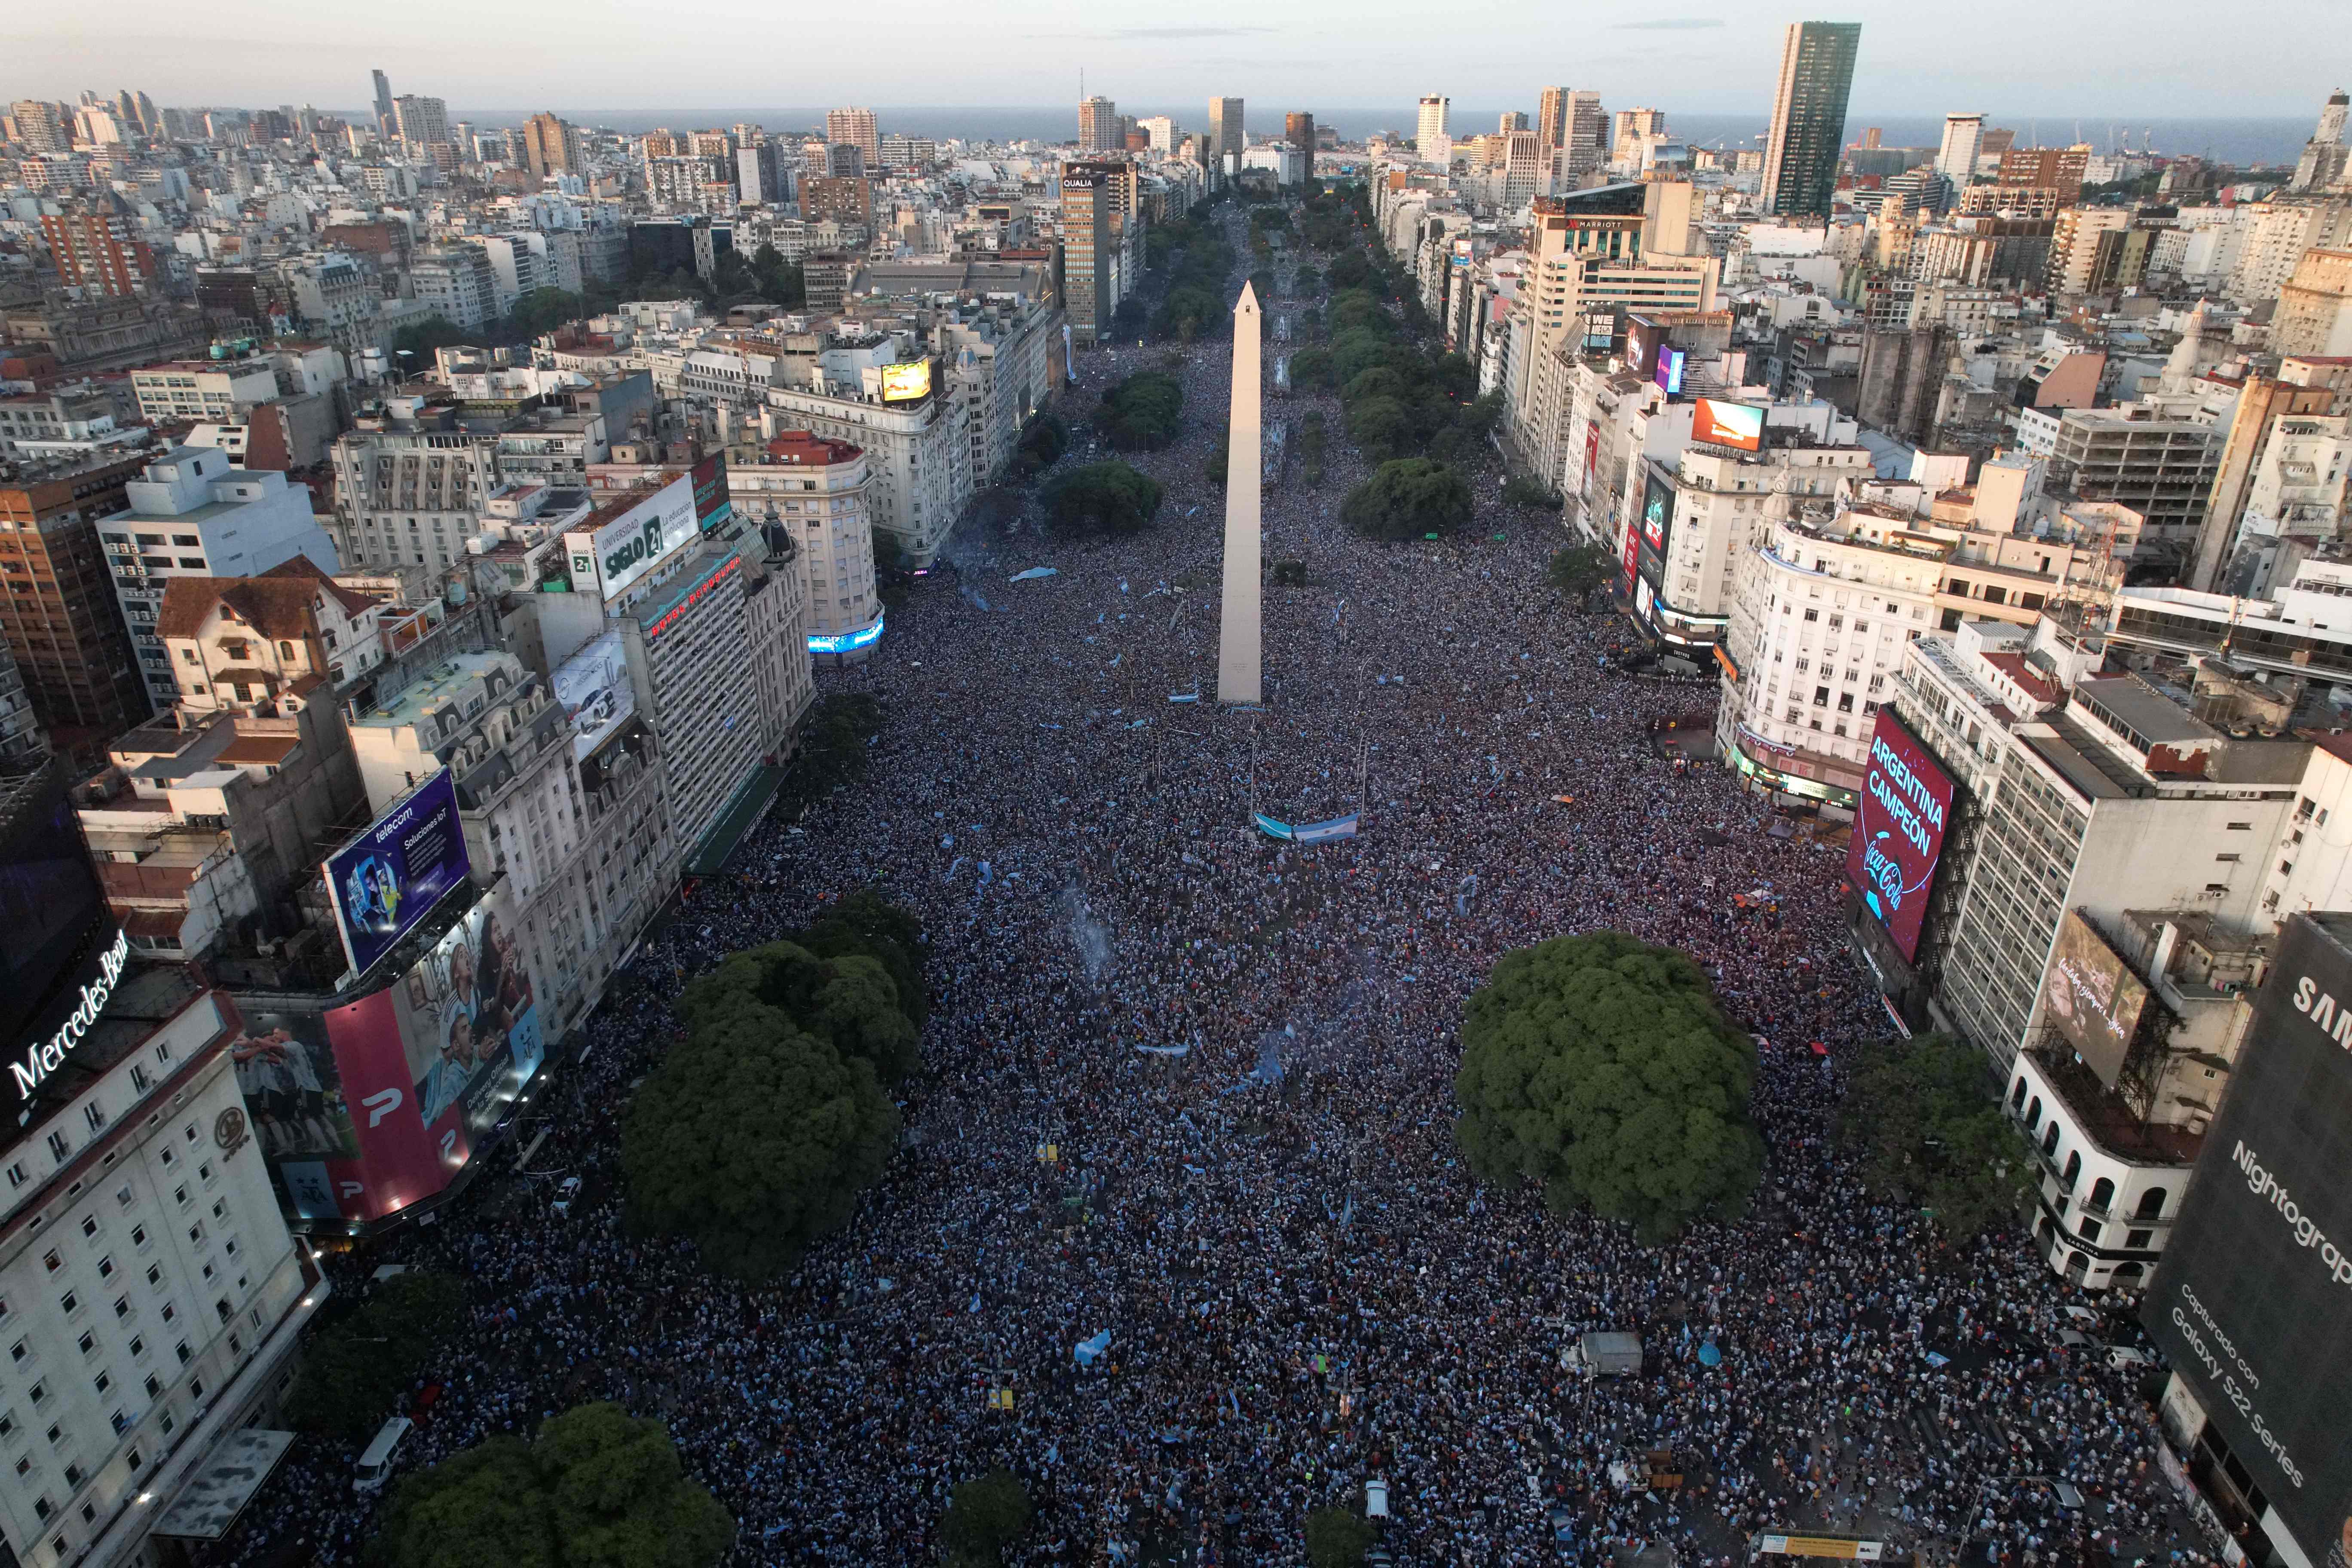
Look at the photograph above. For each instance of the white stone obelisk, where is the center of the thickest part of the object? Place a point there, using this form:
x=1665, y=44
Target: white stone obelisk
x=1239, y=662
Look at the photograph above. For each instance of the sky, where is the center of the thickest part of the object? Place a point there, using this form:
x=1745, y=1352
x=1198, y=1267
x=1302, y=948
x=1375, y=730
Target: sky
x=2172, y=58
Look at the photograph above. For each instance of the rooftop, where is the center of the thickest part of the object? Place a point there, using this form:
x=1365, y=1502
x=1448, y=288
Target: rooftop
x=460, y=673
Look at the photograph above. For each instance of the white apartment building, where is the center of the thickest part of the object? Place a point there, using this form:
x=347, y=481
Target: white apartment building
x=816, y=488
x=150, y=1296
x=918, y=449
x=458, y=284
x=410, y=486
x=189, y=514
x=1823, y=609
x=2275, y=236
x=198, y=390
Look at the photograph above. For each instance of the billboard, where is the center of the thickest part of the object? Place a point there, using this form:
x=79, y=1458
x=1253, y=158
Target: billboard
x=1639, y=335
x=1591, y=456
x=627, y=545
x=1669, y=374
x=389, y=878
x=2252, y=1302
x=1898, y=832
x=54, y=911
x=422, y=1069
x=595, y=688
x=286, y=1069
x=1721, y=424
x=906, y=382
x=714, y=505
x=2093, y=997
x=1655, y=526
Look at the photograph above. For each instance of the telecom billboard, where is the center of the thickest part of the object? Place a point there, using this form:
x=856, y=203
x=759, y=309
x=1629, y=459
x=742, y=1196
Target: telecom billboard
x=390, y=876
x=2253, y=1301
x=1898, y=832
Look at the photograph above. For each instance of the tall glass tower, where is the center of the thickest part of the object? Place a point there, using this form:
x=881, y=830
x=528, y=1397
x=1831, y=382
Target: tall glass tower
x=1800, y=156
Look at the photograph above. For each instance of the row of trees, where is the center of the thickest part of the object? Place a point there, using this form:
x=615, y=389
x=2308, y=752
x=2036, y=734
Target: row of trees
x=756, y=1134
x=1198, y=260
x=1601, y=1068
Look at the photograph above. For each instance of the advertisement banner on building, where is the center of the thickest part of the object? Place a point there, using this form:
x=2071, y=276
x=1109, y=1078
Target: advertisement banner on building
x=429, y=1062
x=906, y=382
x=390, y=876
x=1641, y=335
x=625, y=546
x=2093, y=997
x=1656, y=527
x=293, y=1091
x=1669, y=374
x=595, y=688
x=1591, y=456
x=2253, y=1301
x=714, y=507
x=1898, y=832
x=1719, y=424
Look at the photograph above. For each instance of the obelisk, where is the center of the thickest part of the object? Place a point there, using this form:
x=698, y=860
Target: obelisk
x=1238, y=660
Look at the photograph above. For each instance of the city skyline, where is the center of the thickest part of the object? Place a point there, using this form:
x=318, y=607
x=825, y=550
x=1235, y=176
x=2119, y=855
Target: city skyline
x=1705, y=57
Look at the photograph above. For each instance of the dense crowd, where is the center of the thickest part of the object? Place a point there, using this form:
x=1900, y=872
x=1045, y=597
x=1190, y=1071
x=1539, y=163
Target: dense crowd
x=1193, y=1086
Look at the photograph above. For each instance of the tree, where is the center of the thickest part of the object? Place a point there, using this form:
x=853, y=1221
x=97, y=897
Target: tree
x=544, y=310
x=984, y=1517
x=1406, y=499
x=1527, y=490
x=1598, y=1067
x=756, y=1134
x=1576, y=570
x=1219, y=456
x=1304, y=281
x=1382, y=427
x=864, y=923
x=420, y=339
x=1040, y=445
x=832, y=747
x=779, y=281
x=598, y=1489
x=1145, y=411
x=1102, y=498
x=1924, y=1117
x=1338, y=1538
x=356, y=1370
x=1349, y=270
x=1310, y=368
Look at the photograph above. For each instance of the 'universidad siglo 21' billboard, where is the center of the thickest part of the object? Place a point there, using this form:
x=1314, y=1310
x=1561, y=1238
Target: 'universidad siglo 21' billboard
x=1898, y=832
x=2253, y=1301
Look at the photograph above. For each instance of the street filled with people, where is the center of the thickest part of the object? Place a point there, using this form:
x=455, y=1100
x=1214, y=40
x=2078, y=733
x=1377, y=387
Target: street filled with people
x=1178, y=1234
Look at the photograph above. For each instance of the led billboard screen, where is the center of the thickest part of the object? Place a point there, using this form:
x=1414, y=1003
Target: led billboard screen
x=2253, y=1301
x=1898, y=832
x=1720, y=424
x=2092, y=998
x=1655, y=526
x=906, y=383
x=390, y=876
x=595, y=688
x=713, y=505
x=1669, y=374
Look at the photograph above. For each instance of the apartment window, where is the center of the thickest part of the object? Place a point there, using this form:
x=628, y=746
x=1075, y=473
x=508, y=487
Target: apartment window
x=2230, y=859
x=139, y=1238
x=71, y=1303
x=106, y=1266
x=154, y=1386
x=186, y=1354
x=50, y=1261
x=87, y=1343
x=2241, y=827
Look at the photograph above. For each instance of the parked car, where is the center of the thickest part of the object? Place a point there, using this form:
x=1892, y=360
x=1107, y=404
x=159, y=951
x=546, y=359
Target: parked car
x=566, y=1193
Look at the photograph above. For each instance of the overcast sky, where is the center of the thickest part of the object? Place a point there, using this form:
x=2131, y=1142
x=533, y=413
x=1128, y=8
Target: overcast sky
x=2154, y=57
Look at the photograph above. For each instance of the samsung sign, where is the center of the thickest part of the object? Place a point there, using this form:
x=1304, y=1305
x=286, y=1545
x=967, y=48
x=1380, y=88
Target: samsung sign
x=42, y=1059
x=626, y=549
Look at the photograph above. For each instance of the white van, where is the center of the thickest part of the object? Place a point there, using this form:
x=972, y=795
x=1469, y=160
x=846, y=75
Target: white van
x=375, y=1464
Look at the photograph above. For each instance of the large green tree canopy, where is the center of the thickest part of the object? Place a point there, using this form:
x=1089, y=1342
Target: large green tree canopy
x=1406, y=499
x=598, y=1489
x=755, y=1136
x=1144, y=411
x=1599, y=1065
x=1098, y=499
x=1924, y=1118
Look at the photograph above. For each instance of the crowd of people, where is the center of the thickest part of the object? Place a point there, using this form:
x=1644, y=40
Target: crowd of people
x=1191, y=1086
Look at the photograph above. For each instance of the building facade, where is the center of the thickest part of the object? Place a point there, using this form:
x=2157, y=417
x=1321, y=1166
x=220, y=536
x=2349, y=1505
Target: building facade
x=1808, y=131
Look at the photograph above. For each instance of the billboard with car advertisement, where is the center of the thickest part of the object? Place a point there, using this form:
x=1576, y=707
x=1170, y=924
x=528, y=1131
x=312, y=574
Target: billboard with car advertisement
x=2253, y=1300
x=595, y=688
x=1898, y=832
x=2092, y=997
x=1719, y=424
x=409, y=1078
x=389, y=878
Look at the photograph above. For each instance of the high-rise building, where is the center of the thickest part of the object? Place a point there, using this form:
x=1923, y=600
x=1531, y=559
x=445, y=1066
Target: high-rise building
x=1299, y=130
x=858, y=128
x=1956, y=160
x=1551, y=120
x=552, y=146
x=383, y=112
x=1163, y=132
x=757, y=176
x=2323, y=160
x=96, y=246
x=1429, y=137
x=66, y=630
x=1808, y=132
x=1632, y=127
x=2060, y=169
x=1511, y=120
x=1226, y=138
x=422, y=121
x=1087, y=285
x=42, y=127
x=1587, y=145
x=844, y=161
x=1098, y=125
